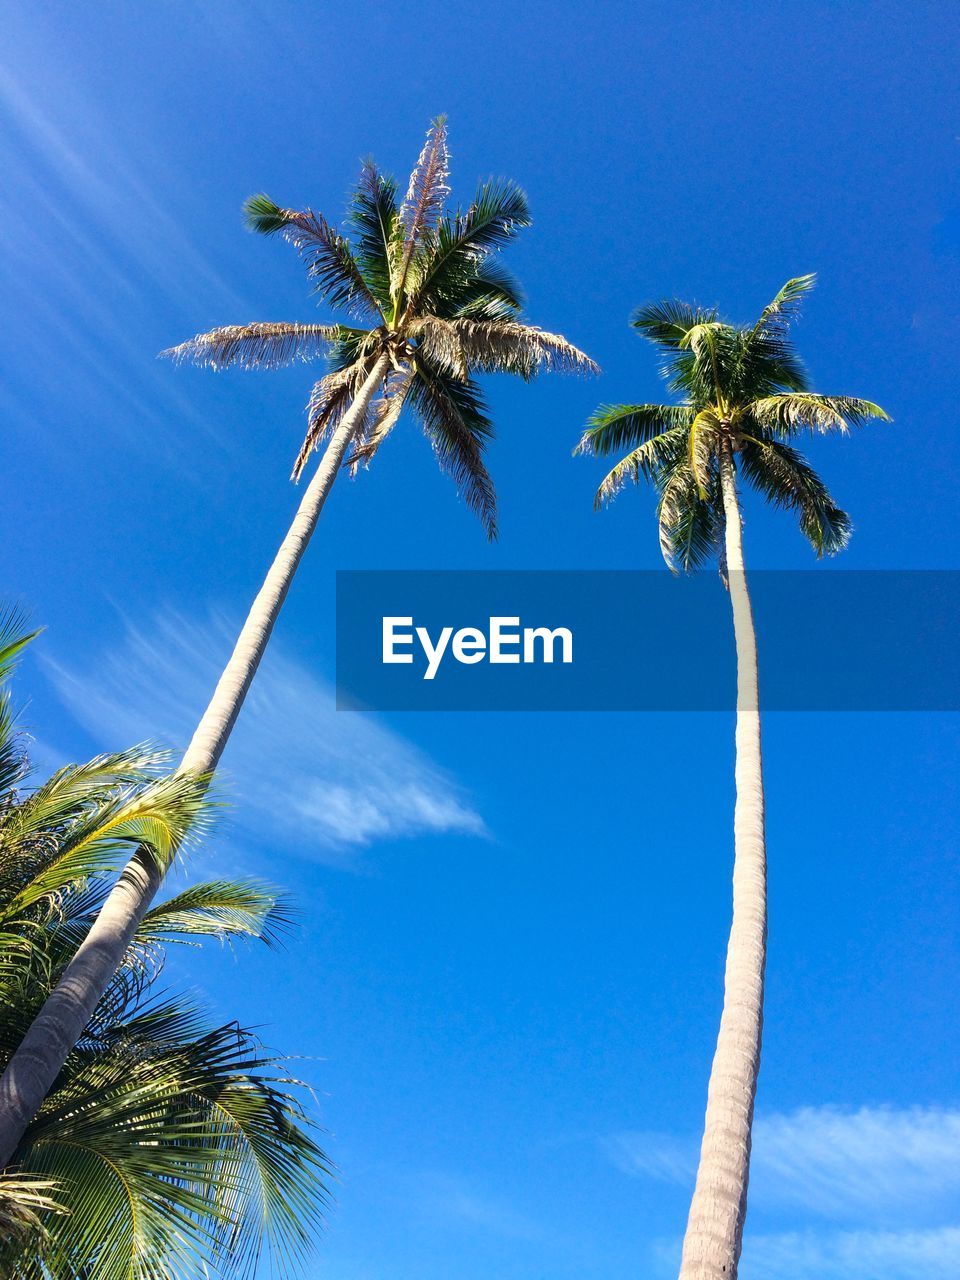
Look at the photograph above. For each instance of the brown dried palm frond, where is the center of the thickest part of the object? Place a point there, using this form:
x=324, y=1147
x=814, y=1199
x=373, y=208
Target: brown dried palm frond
x=506, y=346
x=24, y=1198
x=329, y=400
x=426, y=193
x=440, y=344
x=384, y=416
x=256, y=346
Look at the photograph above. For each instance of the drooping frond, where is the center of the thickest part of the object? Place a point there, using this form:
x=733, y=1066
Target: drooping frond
x=490, y=293
x=506, y=346
x=657, y=454
x=423, y=203
x=256, y=346
x=384, y=416
x=181, y=1146
x=455, y=419
x=329, y=401
x=619, y=426
x=787, y=480
x=790, y=413
x=373, y=215
x=690, y=526
x=326, y=254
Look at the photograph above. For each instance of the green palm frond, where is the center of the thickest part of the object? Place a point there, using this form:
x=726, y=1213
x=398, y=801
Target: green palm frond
x=373, y=216
x=490, y=293
x=777, y=315
x=256, y=346
x=618, y=426
x=156, y=816
x=221, y=909
x=462, y=244
x=654, y=457
x=325, y=253
x=456, y=422
x=179, y=1145
x=14, y=638
x=668, y=322
x=690, y=526
x=789, y=414
x=787, y=480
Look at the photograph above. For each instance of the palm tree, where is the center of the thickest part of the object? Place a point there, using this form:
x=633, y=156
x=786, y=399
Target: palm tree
x=166, y=1143
x=744, y=400
x=438, y=308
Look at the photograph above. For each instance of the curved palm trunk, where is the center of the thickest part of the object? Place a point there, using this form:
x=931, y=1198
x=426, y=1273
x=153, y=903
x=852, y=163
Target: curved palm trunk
x=711, y=1246
x=56, y=1029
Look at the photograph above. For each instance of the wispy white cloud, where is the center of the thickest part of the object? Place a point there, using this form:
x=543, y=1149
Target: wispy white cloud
x=838, y=1255
x=297, y=772
x=854, y=1255
x=857, y=1165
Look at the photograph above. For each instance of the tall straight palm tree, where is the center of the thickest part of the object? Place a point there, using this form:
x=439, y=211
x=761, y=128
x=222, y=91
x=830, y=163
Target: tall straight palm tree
x=434, y=308
x=165, y=1142
x=744, y=400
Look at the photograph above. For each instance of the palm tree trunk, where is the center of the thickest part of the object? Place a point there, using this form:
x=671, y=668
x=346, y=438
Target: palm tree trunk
x=711, y=1246
x=59, y=1024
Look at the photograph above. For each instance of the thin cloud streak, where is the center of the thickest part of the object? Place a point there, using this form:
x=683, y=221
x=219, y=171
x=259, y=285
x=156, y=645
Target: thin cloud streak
x=296, y=772
x=838, y=1255
x=861, y=1165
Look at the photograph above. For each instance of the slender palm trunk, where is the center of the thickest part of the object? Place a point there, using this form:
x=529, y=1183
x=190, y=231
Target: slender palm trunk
x=711, y=1246
x=56, y=1029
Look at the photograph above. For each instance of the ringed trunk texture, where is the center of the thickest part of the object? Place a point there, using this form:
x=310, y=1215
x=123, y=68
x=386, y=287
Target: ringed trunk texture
x=34, y=1067
x=711, y=1245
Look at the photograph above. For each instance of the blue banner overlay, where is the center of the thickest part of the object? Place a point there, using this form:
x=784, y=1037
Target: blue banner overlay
x=830, y=640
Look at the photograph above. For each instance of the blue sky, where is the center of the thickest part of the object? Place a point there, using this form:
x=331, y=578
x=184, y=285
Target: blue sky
x=508, y=981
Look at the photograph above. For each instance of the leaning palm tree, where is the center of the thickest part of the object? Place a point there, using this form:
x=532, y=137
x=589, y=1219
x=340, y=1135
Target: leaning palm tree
x=434, y=307
x=744, y=400
x=166, y=1143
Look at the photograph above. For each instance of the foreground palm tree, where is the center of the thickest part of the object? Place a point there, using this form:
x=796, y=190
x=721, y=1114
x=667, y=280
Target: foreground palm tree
x=436, y=308
x=744, y=399
x=165, y=1143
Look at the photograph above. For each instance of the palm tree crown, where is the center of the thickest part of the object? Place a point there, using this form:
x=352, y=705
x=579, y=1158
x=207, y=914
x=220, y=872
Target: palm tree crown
x=744, y=391
x=424, y=288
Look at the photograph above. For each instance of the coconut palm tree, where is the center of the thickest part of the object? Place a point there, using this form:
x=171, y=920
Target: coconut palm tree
x=166, y=1143
x=744, y=400
x=435, y=308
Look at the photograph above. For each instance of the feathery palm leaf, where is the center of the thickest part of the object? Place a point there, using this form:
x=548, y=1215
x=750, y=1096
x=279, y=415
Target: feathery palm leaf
x=256, y=346
x=617, y=426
